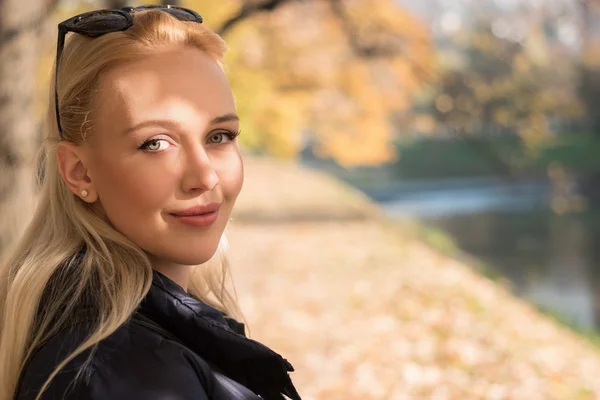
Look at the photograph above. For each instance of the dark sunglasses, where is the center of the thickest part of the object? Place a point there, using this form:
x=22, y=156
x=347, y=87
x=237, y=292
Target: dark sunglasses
x=100, y=22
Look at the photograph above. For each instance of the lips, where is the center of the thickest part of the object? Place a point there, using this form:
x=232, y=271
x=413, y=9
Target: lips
x=197, y=210
x=198, y=216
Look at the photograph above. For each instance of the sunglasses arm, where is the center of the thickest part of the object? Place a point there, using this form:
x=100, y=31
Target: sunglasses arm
x=62, y=32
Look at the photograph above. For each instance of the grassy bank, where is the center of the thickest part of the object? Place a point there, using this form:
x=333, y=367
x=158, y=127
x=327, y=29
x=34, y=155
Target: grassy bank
x=368, y=309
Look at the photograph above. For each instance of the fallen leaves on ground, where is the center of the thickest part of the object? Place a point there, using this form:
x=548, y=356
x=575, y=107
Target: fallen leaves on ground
x=363, y=312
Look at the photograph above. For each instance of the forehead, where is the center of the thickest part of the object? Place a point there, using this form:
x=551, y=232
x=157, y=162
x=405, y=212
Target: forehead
x=183, y=84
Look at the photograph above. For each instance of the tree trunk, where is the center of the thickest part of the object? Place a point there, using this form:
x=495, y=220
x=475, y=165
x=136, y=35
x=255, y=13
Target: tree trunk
x=19, y=126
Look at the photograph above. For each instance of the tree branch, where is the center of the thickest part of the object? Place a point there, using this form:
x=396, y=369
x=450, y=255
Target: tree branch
x=248, y=10
x=371, y=51
x=360, y=49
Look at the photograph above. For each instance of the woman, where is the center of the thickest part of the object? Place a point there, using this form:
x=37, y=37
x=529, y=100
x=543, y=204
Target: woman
x=101, y=298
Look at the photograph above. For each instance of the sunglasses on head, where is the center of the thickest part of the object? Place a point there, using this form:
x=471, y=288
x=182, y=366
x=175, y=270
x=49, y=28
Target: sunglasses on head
x=100, y=22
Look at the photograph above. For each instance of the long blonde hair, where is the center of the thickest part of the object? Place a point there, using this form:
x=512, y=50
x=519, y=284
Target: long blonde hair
x=69, y=255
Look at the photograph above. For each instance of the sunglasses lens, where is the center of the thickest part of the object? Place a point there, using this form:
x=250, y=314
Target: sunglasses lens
x=181, y=14
x=101, y=22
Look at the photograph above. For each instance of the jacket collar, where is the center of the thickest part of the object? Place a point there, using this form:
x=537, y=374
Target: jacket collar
x=219, y=340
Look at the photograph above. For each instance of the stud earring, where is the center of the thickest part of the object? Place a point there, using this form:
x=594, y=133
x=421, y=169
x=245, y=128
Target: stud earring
x=84, y=193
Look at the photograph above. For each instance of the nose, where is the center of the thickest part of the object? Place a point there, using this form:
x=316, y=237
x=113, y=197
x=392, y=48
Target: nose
x=199, y=173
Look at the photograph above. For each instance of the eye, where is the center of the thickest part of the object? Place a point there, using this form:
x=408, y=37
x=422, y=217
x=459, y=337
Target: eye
x=155, y=145
x=222, y=137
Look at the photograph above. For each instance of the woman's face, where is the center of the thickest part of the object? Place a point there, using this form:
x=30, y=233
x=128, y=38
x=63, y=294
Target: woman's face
x=163, y=141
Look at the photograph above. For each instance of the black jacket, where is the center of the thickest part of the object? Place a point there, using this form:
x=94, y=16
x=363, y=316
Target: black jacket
x=175, y=348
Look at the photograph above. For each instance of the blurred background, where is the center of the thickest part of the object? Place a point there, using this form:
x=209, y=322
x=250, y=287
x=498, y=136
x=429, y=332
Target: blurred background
x=474, y=120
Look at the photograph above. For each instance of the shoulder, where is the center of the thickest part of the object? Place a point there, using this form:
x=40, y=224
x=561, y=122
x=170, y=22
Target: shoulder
x=133, y=362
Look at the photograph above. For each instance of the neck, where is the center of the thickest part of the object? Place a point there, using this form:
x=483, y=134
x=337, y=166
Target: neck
x=180, y=274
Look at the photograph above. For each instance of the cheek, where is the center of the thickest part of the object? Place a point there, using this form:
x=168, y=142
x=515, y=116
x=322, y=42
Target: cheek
x=129, y=193
x=231, y=176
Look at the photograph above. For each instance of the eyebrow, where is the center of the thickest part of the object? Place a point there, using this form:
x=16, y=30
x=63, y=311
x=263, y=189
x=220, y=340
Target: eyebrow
x=175, y=125
x=224, y=118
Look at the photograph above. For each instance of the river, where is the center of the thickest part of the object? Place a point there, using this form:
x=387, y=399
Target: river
x=551, y=260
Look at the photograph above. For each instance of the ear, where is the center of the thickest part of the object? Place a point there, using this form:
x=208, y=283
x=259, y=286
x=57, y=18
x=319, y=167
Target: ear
x=72, y=167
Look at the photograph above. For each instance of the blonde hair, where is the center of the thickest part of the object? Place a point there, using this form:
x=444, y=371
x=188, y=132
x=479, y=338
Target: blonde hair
x=69, y=255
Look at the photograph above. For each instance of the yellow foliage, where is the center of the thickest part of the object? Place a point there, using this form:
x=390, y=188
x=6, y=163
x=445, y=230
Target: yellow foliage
x=502, y=116
x=444, y=103
x=591, y=55
x=213, y=12
x=424, y=123
x=521, y=63
x=294, y=70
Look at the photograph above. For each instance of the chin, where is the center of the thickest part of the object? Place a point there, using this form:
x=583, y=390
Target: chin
x=193, y=257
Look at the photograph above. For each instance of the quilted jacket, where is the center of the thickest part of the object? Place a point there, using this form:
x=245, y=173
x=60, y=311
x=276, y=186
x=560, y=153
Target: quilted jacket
x=175, y=347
